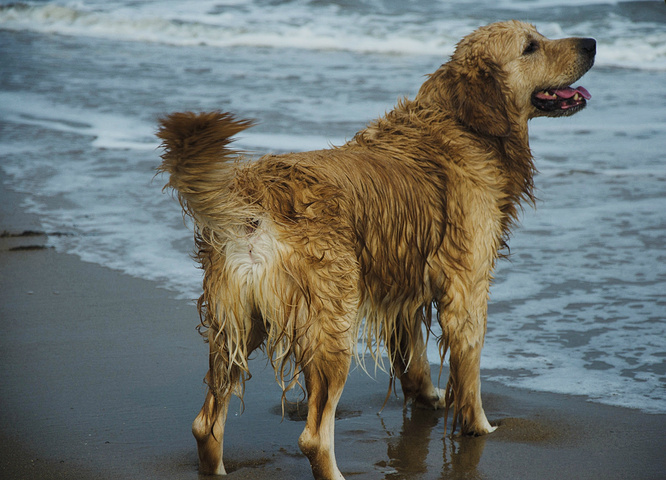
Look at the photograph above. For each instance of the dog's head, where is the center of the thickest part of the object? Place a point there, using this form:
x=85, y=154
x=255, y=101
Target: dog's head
x=506, y=73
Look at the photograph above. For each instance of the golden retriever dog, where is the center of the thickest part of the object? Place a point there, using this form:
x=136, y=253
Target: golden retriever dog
x=303, y=253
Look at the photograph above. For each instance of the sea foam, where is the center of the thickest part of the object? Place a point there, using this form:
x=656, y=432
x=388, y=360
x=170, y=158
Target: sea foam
x=288, y=26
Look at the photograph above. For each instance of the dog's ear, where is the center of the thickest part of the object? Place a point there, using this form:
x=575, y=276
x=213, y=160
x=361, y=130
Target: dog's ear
x=478, y=97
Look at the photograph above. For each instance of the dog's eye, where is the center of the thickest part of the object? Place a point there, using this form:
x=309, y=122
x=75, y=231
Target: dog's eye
x=531, y=47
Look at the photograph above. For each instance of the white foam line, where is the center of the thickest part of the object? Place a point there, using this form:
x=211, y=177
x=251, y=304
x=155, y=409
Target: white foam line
x=308, y=28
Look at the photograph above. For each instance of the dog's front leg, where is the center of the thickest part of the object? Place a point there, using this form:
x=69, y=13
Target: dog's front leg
x=463, y=323
x=464, y=387
x=411, y=365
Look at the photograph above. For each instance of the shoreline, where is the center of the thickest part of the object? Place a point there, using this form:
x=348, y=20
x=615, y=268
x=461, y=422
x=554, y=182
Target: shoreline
x=102, y=375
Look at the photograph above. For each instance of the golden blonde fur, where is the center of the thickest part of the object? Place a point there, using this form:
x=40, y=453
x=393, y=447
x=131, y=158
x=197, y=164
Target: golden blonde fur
x=303, y=253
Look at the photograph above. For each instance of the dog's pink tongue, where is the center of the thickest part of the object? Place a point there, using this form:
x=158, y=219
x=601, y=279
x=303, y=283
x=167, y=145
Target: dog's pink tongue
x=570, y=92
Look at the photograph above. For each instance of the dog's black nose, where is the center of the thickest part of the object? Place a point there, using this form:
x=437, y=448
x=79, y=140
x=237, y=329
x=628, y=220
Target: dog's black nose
x=589, y=46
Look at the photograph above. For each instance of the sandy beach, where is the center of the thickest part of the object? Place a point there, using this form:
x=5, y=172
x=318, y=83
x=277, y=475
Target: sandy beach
x=101, y=376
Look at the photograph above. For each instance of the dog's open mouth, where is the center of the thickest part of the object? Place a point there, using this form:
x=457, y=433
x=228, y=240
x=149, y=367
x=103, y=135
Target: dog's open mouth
x=562, y=99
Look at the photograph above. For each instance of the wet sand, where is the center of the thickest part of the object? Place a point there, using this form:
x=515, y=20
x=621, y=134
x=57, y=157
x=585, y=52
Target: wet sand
x=101, y=375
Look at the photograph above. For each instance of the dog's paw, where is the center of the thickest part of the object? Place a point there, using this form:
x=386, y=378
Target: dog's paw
x=478, y=428
x=434, y=400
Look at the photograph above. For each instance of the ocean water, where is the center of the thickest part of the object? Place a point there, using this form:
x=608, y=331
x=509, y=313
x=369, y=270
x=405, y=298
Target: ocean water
x=579, y=308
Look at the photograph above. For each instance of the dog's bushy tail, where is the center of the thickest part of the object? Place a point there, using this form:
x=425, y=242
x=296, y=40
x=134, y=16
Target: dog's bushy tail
x=202, y=168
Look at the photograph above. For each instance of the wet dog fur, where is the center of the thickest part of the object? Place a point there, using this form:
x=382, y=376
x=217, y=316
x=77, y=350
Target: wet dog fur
x=303, y=253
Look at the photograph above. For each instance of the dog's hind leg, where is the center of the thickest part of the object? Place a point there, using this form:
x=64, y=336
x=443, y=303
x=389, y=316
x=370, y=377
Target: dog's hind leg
x=208, y=430
x=208, y=426
x=325, y=377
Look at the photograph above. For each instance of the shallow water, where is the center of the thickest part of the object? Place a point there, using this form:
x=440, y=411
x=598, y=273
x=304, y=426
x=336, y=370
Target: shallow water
x=578, y=308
